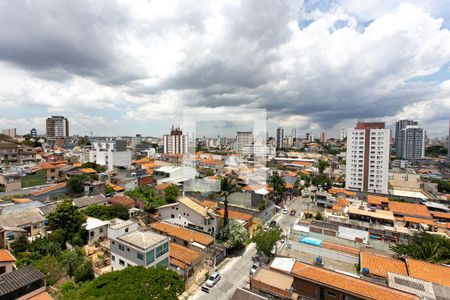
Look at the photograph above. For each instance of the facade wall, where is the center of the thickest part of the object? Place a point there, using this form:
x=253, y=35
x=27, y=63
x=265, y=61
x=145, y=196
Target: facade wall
x=7, y=265
x=113, y=234
x=97, y=234
x=124, y=255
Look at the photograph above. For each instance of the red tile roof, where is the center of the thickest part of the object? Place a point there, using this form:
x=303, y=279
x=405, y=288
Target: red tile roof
x=348, y=284
x=122, y=200
x=183, y=233
x=428, y=271
x=377, y=200
x=340, y=248
x=409, y=209
x=6, y=256
x=48, y=189
x=183, y=257
x=379, y=265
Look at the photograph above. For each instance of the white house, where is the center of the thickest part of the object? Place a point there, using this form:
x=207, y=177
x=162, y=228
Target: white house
x=189, y=213
x=139, y=248
x=97, y=229
x=173, y=174
x=111, y=153
x=118, y=227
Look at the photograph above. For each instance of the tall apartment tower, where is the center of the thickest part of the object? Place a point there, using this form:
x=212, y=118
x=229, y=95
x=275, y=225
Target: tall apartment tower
x=410, y=143
x=323, y=137
x=33, y=132
x=175, y=142
x=398, y=127
x=57, y=129
x=11, y=132
x=280, y=138
x=309, y=137
x=368, y=158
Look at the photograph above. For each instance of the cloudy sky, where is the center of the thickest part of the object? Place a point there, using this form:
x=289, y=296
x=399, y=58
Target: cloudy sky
x=126, y=67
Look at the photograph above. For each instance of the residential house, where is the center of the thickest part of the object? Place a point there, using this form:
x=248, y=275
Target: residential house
x=53, y=157
x=118, y=227
x=97, y=230
x=244, y=294
x=10, y=182
x=139, y=248
x=378, y=202
x=52, y=171
x=11, y=153
x=190, y=238
x=190, y=213
x=24, y=283
x=48, y=191
x=122, y=200
x=273, y=283
x=30, y=220
x=174, y=174
x=6, y=261
x=84, y=202
x=403, y=209
x=183, y=260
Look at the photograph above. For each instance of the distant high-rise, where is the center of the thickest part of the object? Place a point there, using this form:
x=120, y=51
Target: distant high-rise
x=448, y=141
x=243, y=139
x=175, y=142
x=410, y=142
x=11, y=132
x=399, y=126
x=367, y=162
x=57, y=129
x=280, y=138
x=309, y=137
x=33, y=132
x=294, y=133
x=343, y=134
x=323, y=137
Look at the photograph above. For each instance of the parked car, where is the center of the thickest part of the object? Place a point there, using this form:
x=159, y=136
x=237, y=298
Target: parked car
x=254, y=268
x=285, y=211
x=293, y=212
x=213, y=279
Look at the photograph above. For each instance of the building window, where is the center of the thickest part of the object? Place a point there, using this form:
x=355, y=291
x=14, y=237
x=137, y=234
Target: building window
x=128, y=249
x=121, y=247
x=113, y=258
x=126, y=230
x=172, y=216
x=112, y=242
x=164, y=262
x=140, y=256
x=150, y=257
x=162, y=249
x=331, y=294
x=121, y=262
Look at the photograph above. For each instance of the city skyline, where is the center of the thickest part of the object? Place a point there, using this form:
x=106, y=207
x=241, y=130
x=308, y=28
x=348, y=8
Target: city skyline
x=226, y=54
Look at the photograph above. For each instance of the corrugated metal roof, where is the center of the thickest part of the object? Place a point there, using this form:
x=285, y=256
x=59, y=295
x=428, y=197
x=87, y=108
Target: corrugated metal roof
x=19, y=278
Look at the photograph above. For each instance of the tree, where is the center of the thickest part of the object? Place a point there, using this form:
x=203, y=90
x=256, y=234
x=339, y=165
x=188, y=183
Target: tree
x=84, y=140
x=76, y=182
x=43, y=247
x=109, y=190
x=227, y=187
x=130, y=283
x=320, y=179
x=51, y=267
x=107, y=212
x=437, y=150
x=322, y=165
x=266, y=240
x=277, y=183
x=95, y=166
x=427, y=247
x=66, y=217
x=20, y=245
x=148, y=197
x=77, y=265
x=233, y=235
x=171, y=193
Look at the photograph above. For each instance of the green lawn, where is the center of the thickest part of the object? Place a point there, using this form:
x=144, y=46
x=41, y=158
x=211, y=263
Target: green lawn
x=37, y=178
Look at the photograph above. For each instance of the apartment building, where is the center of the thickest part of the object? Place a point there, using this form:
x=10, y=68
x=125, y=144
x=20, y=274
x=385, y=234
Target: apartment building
x=11, y=132
x=243, y=138
x=175, y=142
x=11, y=153
x=111, y=153
x=368, y=158
x=139, y=248
x=280, y=138
x=410, y=143
x=57, y=129
x=399, y=126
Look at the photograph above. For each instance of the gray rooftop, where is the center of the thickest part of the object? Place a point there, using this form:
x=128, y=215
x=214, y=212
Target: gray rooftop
x=17, y=219
x=19, y=278
x=89, y=200
x=142, y=239
x=9, y=209
x=117, y=224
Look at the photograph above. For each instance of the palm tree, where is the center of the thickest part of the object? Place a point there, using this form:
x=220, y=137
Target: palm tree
x=277, y=183
x=227, y=187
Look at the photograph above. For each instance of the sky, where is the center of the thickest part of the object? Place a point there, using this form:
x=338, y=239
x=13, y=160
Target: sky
x=125, y=67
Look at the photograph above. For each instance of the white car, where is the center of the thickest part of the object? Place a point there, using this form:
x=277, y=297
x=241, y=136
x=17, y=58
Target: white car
x=254, y=268
x=212, y=279
x=285, y=211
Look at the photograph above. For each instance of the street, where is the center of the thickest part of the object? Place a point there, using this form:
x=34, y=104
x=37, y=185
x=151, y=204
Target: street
x=236, y=272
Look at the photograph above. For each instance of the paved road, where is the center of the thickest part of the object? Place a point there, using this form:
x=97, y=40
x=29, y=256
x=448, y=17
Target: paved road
x=234, y=274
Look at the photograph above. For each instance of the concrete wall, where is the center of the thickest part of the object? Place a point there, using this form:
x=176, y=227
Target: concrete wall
x=113, y=234
x=8, y=266
x=97, y=234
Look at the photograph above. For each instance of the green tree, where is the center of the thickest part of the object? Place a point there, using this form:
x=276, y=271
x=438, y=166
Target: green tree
x=171, y=193
x=233, y=235
x=77, y=265
x=265, y=240
x=43, y=246
x=131, y=283
x=322, y=165
x=51, y=267
x=67, y=217
x=437, y=150
x=58, y=236
x=107, y=212
x=76, y=182
x=148, y=197
x=277, y=183
x=84, y=140
x=427, y=247
x=95, y=166
x=320, y=179
x=109, y=190
x=20, y=245
x=227, y=187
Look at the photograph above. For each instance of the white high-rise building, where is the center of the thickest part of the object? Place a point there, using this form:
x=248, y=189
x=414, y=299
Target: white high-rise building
x=111, y=153
x=11, y=132
x=175, y=142
x=343, y=133
x=410, y=142
x=367, y=165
